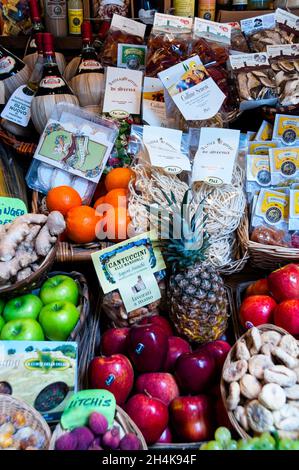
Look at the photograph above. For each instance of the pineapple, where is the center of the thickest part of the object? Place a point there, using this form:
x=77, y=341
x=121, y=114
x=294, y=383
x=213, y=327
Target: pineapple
x=196, y=294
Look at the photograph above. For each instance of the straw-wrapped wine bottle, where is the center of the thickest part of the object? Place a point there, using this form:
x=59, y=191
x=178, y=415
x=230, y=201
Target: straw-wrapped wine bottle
x=13, y=73
x=88, y=82
x=53, y=88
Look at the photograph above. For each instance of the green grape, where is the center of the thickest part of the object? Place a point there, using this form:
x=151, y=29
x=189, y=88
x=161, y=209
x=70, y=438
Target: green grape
x=266, y=442
x=295, y=445
x=244, y=445
x=223, y=436
x=204, y=446
x=214, y=445
x=232, y=445
x=285, y=444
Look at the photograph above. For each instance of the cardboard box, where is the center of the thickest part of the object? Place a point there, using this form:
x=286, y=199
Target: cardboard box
x=225, y=16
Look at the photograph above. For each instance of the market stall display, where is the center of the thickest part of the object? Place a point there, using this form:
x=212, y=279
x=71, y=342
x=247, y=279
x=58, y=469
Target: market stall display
x=162, y=163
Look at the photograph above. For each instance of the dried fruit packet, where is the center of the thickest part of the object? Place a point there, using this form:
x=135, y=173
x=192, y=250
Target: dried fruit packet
x=211, y=41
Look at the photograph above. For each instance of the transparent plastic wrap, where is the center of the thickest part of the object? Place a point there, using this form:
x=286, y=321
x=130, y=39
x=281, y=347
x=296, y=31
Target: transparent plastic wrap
x=238, y=40
x=284, y=62
x=122, y=31
x=168, y=43
x=73, y=151
x=210, y=41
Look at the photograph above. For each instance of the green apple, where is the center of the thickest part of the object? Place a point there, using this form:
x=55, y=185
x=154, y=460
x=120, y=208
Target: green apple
x=2, y=303
x=26, y=306
x=59, y=288
x=2, y=323
x=25, y=329
x=58, y=319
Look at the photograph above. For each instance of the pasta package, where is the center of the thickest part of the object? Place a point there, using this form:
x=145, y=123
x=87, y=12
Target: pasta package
x=122, y=31
x=168, y=43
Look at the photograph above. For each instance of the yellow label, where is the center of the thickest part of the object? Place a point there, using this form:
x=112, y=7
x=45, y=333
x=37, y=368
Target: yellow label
x=274, y=207
x=286, y=161
x=184, y=7
x=287, y=129
x=265, y=131
x=260, y=148
x=294, y=209
x=75, y=21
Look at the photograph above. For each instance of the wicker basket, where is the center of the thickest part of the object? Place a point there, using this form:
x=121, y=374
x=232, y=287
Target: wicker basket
x=68, y=252
x=224, y=385
x=31, y=282
x=121, y=419
x=9, y=405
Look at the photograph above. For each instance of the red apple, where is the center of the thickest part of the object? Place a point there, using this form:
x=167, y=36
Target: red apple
x=113, y=341
x=286, y=315
x=176, y=347
x=147, y=347
x=284, y=283
x=222, y=416
x=149, y=414
x=195, y=372
x=260, y=287
x=166, y=437
x=218, y=350
x=160, y=321
x=257, y=310
x=191, y=418
x=159, y=385
x=114, y=373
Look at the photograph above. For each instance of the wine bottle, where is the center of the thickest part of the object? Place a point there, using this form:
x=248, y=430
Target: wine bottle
x=52, y=88
x=13, y=73
x=37, y=27
x=89, y=60
x=52, y=82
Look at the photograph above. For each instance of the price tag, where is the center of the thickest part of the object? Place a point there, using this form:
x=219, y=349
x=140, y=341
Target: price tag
x=17, y=109
x=10, y=208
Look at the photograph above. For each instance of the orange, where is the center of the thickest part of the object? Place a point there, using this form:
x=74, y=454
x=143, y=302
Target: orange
x=99, y=201
x=119, y=178
x=62, y=199
x=117, y=197
x=116, y=223
x=81, y=224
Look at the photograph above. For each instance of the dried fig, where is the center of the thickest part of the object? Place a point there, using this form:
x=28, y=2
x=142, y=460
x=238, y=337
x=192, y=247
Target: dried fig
x=241, y=417
x=242, y=351
x=292, y=392
x=233, y=398
x=250, y=386
x=271, y=337
x=285, y=357
x=280, y=375
x=289, y=345
x=259, y=418
x=272, y=396
x=255, y=339
x=235, y=371
x=267, y=349
x=258, y=364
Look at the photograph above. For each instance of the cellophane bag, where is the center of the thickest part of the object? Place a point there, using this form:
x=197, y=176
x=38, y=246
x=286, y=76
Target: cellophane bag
x=122, y=31
x=211, y=41
x=105, y=9
x=168, y=44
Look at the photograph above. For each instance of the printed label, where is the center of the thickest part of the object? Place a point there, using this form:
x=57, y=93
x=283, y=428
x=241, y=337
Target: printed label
x=56, y=9
x=258, y=169
x=123, y=90
x=177, y=24
x=89, y=64
x=294, y=210
x=142, y=290
x=7, y=64
x=153, y=104
x=265, y=131
x=215, y=157
x=52, y=82
x=164, y=149
x=10, y=209
x=260, y=148
x=127, y=25
x=219, y=32
x=286, y=129
x=75, y=20
x=17, y=109
x=284, y=164
x=283, y=50
x=273, y=207
x=256, y=59
x=131, y=57
x=192, y=89
x=184, y=8
x=286, y=18
x=249, y=25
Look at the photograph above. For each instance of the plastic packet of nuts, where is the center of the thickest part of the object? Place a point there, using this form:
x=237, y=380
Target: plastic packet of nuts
x=211, y=41
x=255, y=80
x=168, y=43
x=284, y=60
x=122, y=31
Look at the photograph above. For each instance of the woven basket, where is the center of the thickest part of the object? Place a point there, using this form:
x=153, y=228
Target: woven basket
x=68, y=252
x=121, y=419
x=31, y=282
x=9, y=405
x=224, y=386
x=262, y=256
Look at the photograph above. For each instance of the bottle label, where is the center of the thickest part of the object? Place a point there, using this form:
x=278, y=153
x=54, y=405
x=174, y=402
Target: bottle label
x=56, y=9
x=52, y=82
x=7, y=64
x=17, y=109
x=75, y=20
x=184, y=7
x=239, y=2
x=89, y=64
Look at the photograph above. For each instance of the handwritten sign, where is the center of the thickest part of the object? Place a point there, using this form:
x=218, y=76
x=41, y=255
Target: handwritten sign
x=10, y=208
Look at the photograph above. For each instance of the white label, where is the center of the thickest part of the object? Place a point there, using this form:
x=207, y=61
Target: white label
x=52, y=82
x=56, y=9
x=177, y=24
x=17, y=109
x=164, y=149
x=2, y=93
x=128, y=26
x=6, y=64
x=153, y=105
x=211, y=30
x=249, y=60
x=196, y=94
x=287, y=18
x=143, y=290
x=216, y=154
x=122, y=90
x=283, y=50
x=250, y=25
x=89, y=64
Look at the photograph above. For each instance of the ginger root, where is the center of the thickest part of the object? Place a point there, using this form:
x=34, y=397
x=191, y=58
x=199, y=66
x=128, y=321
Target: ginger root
x=54, y=226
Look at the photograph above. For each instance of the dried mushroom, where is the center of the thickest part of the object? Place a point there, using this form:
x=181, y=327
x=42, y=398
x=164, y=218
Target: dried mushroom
x=256, y=84
x=287, y=81
x=259, y=40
